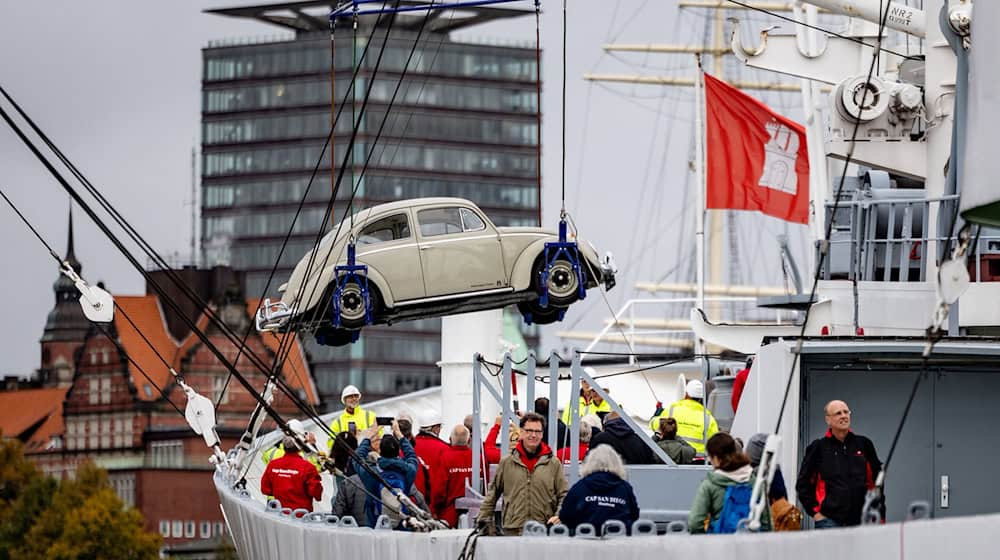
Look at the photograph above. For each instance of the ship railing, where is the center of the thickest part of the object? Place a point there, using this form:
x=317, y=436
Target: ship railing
x=667, y=489
x=886, y=240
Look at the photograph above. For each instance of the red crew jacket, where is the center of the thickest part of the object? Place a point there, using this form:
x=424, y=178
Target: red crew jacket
x=454, y=470
x=563, y=453
x=429, y=449
x=738, y=384
x=293, y=481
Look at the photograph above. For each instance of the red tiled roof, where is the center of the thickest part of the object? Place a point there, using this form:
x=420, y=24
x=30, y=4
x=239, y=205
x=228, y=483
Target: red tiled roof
x=146, y=313
x=32, y=416
x=296, y=371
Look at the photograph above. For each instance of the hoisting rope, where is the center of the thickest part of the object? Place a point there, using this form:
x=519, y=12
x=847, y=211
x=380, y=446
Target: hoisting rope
x=335, y=117
x=538, y=106
x=169, y=302
x=562, y=202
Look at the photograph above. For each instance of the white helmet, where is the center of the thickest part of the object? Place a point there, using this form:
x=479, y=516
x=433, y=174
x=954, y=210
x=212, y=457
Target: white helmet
x=296, y=426
x=695, y=389
x=429, y=418
x=347, y=392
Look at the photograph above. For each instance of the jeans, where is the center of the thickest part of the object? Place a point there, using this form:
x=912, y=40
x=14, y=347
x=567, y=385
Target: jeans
x=825, y=523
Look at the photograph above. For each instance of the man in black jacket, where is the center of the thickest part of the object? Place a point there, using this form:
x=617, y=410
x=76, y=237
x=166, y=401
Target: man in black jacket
x=837, y=471
x=627, y=443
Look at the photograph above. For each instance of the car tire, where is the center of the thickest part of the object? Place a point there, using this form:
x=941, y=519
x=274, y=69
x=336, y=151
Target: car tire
x=352, y=305
x=539, y=315
x=563, y=282
x=334, y=337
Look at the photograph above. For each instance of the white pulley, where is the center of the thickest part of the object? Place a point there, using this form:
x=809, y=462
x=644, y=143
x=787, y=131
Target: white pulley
x=953, y=280
x=98, y=305
x=200, y=414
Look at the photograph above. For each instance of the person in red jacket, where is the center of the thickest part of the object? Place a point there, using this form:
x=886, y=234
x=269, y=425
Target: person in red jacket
x=429, y=448
x=292, y=480
x=454, y=470
x=491, y=450
x=739, y=383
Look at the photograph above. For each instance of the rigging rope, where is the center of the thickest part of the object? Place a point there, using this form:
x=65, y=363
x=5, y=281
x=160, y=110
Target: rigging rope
x=122, y=222
x=99, y=326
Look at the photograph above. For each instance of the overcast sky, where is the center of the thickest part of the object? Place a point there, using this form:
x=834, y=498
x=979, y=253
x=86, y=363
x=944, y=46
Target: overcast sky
x=117, y=85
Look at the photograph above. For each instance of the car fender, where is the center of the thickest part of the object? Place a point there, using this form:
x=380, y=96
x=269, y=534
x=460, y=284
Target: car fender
x=520, y=278
x=374, y=277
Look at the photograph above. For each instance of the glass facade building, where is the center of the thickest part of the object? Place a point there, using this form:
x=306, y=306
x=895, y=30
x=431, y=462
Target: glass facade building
x=464, y=123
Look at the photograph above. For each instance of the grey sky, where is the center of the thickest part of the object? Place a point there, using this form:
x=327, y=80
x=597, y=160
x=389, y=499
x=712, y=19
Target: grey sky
x=117, y=85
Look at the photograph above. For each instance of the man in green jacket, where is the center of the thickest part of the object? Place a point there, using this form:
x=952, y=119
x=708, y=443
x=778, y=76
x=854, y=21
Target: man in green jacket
x=530, y=479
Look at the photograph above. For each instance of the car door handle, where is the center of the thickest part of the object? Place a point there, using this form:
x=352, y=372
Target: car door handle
x=426, y=247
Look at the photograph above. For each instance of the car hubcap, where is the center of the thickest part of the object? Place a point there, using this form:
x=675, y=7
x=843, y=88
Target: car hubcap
x=562, y=280
x=352, y=304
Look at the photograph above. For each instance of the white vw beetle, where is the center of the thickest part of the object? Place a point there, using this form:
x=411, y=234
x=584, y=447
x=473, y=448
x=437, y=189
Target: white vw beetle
x=429, y=257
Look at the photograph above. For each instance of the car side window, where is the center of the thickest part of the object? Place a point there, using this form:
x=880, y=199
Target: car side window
x=472, y=220
x=439, y=221
x=389, y=228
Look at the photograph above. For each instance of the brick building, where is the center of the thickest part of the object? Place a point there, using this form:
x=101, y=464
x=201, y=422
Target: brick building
x=114, y=406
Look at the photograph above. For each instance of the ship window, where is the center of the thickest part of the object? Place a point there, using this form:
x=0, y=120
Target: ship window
x=165, y=527
x=205, y=530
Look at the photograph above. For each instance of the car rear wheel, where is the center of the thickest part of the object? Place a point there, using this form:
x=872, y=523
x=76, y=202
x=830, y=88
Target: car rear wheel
x=562, y=283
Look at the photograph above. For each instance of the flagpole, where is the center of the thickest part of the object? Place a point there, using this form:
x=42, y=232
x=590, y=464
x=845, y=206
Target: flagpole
x=699, y=105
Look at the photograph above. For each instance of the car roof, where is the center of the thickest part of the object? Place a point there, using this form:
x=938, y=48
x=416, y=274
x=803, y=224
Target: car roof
x=412, y=202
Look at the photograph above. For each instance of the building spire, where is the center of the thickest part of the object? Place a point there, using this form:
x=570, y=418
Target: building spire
x=70, y=255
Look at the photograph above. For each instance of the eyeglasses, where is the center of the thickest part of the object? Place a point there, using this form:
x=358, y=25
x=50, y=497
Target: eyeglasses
x=841, y=413
x=536, y=432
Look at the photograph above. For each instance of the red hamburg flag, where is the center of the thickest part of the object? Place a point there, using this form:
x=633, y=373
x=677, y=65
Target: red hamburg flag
x=756, y=158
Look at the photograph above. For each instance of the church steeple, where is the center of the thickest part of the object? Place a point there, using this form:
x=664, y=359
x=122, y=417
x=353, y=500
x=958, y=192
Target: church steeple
x=70, y=255
x=66, y=326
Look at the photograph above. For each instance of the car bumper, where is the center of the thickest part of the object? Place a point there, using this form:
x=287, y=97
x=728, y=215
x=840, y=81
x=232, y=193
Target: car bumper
x=272, y=316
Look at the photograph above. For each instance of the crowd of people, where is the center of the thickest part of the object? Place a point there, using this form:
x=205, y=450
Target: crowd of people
x=837, y=470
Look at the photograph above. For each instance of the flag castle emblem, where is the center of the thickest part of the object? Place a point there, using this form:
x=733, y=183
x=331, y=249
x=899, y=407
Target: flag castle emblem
x=779, y=158
x=755, y=158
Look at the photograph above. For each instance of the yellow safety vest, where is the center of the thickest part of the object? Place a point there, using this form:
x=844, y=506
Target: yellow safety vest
x=695, y=423
x=276, y=451
x=583, y=411
x=592, y=408
x=362, y=420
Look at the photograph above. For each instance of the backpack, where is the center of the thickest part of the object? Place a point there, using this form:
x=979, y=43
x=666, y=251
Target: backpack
x=735, y=508
x=785, y=516
x=388, y=497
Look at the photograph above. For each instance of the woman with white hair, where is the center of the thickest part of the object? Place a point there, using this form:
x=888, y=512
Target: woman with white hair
x=602, y=493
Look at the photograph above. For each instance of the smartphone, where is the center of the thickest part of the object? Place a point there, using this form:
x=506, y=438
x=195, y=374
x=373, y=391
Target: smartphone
x=383, y=420
x=352, y=428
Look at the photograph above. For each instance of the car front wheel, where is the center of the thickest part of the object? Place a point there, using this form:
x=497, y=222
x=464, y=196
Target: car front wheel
x=352, y=305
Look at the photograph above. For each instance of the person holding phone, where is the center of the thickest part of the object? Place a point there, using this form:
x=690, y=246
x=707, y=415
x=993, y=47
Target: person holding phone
x=354, y=419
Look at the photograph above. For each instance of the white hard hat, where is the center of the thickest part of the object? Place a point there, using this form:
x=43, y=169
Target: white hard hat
x=296, y=426
x=695, y=389
x=348, y=391
x=429, y=418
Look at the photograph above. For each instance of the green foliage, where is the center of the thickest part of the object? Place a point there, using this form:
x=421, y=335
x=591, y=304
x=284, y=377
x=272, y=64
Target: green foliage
x=77, y=519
